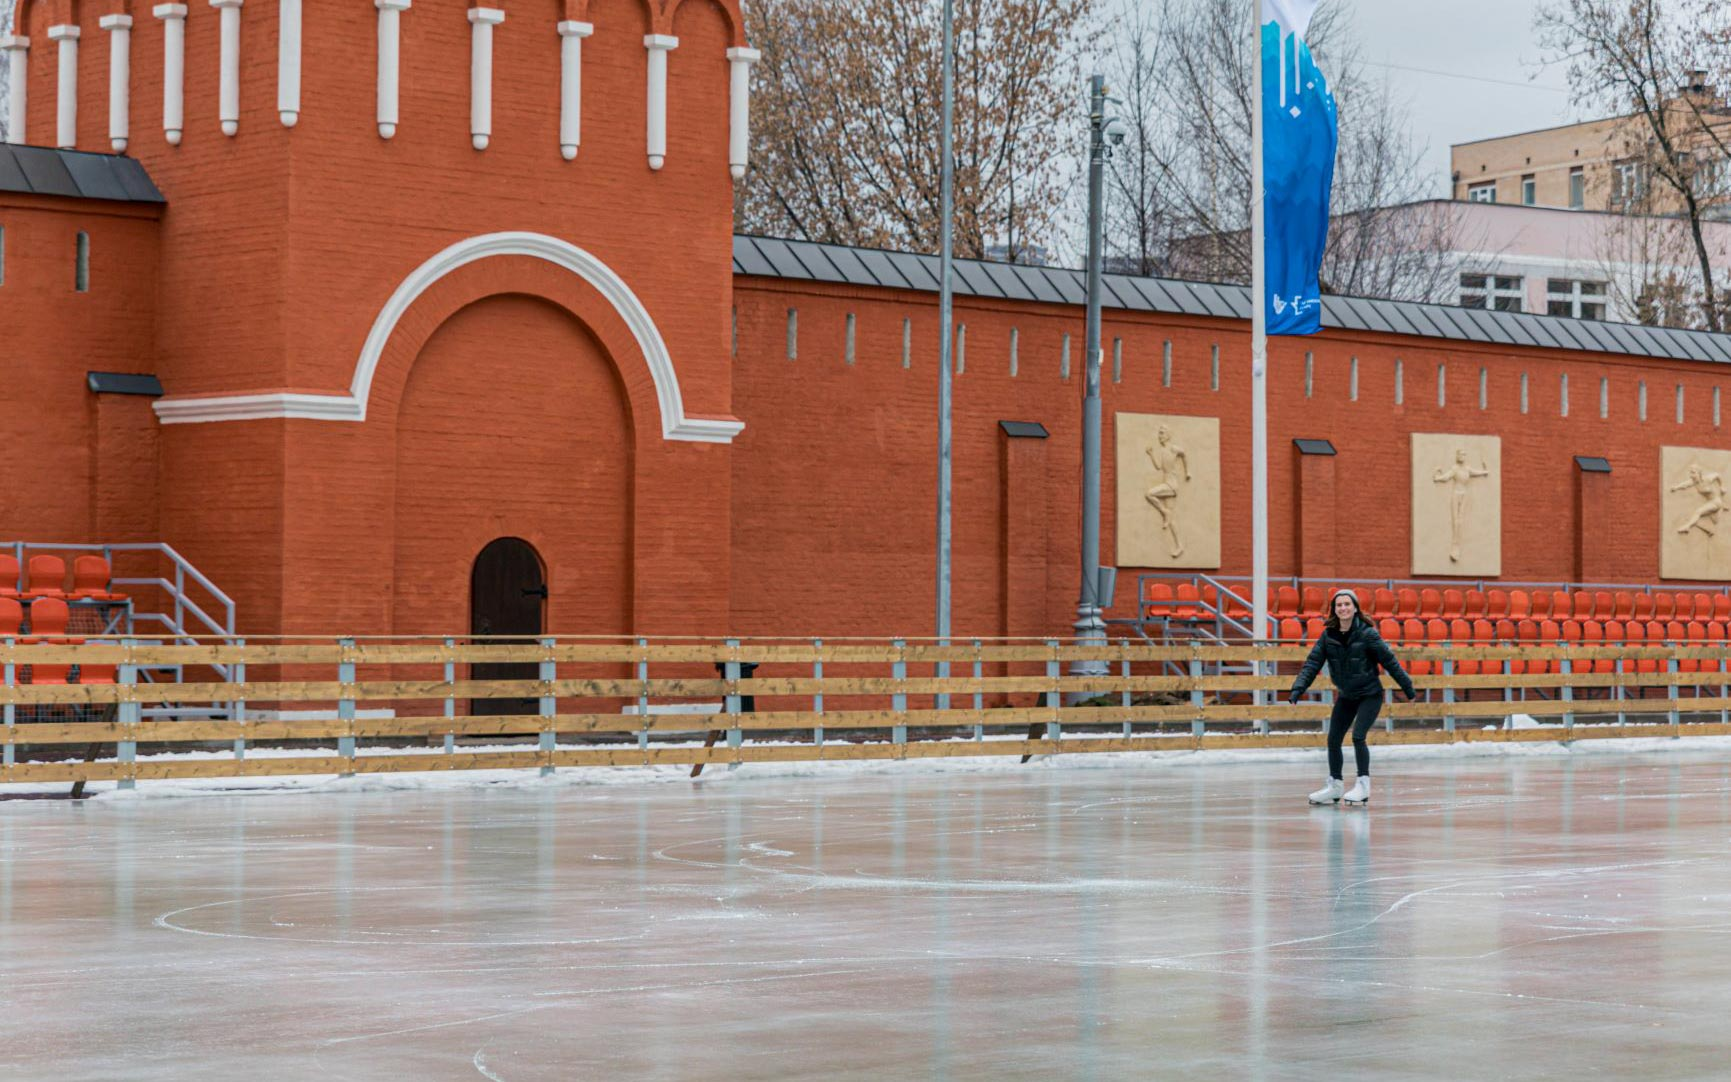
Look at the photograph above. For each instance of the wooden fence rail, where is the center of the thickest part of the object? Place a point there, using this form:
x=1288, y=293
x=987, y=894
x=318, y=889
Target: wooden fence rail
x=76, y=712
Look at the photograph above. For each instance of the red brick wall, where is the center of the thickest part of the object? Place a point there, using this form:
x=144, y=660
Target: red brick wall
x=52, y=488
x=834, y=518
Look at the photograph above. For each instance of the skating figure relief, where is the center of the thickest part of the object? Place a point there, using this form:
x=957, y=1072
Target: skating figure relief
x=1168, y=490
x=1456, y=504
x=1695, y=530
x=1171, y=470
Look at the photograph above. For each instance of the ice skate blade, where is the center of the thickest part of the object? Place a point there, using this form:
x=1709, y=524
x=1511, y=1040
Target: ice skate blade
x=1323, y=803
x=1357, y=803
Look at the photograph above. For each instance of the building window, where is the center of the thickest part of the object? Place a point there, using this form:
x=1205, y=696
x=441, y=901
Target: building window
x=1309, y=373
x=1497, y=291
x=1064, y=363
x=1015, y=349
x=1352, y=381
x=1577, y=188
x=1484, y=388
x=1166, y=363
x=1563, y=394
x=1213, y=368
x=847, y=347
x=1574, y=297
x=1523, y=392
x=1482, y=193
x=81, y=270
x=1604, y=397
x=1641, y=400
x=961, y=361
x=1399, y=382
x=1442, y=386
x=1529, y=190
x=907, y=343
x=1117, y=360
x=1628, y=181
x=733, y=332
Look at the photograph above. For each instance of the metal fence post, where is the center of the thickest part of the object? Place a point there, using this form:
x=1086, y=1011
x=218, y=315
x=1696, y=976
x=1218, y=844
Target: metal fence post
x=346, y=705
x=1448, y=693
x=735, y=737
x=549, y=704
x=1055, y=699
x=1197, y=726
x=126, y=751
x=1124, y=671
x=1567, y=667
x=643, y=694
x=451, y=700
x=817, y=697
x=1671, y=716
x=899, y=701
x=11, y=712
x=979, y=696
x=237, y=675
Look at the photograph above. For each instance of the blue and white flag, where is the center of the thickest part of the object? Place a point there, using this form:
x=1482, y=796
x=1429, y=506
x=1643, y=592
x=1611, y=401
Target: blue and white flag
x=1298, y=140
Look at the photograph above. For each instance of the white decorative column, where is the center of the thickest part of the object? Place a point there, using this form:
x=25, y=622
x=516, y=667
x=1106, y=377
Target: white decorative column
x=739, y=109
x=288, y=62
x=390, y=62
x=481, y=24
x=173, y=18
x=228, y=91
x=17, y=82
x=571, y=35
x=119, y=29
x=66, y=108
x=659, y=45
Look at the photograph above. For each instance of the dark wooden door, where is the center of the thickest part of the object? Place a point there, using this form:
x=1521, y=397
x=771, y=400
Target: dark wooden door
x=507, y=596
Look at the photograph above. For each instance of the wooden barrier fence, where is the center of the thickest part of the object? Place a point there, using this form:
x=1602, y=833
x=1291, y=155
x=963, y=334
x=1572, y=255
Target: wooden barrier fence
x=606, y=703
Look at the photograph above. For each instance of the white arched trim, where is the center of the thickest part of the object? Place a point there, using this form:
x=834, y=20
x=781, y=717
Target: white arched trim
x=675, y=425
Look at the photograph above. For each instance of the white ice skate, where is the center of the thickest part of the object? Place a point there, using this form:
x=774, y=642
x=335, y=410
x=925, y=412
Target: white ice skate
x=1328, y=794
x=1360, y=793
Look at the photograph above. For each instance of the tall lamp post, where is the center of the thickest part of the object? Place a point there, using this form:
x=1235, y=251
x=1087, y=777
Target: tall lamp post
x=1103, y=133
x=945, y=345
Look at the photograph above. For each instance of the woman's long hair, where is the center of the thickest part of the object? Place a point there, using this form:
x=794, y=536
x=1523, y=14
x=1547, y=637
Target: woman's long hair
x=1333, y=621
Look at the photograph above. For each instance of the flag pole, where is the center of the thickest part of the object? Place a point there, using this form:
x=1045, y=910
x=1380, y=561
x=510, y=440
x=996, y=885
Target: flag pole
x=1258, y=364
x=946, y=339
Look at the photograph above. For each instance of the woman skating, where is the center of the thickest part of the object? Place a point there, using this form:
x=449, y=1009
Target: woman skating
x=1353, y=651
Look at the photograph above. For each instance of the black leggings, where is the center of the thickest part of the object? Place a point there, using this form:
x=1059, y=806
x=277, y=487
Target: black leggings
x=1357, y=715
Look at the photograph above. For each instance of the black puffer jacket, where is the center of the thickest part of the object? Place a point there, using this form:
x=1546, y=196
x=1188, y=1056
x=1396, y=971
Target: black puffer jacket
x=1352, y=663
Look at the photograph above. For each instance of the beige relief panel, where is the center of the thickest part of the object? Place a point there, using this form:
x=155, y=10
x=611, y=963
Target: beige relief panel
x=1457, y=504
x=1168, y=490
x=1695, y=519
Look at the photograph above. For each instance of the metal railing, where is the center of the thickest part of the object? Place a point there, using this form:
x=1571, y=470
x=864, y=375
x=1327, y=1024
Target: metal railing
x=351, y=706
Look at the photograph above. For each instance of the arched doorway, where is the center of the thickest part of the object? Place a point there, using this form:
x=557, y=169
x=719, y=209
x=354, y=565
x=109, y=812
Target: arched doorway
x=507, y=596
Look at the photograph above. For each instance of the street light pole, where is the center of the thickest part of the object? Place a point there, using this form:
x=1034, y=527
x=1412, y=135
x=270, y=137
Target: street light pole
x=947, y=338
x=1090, y=627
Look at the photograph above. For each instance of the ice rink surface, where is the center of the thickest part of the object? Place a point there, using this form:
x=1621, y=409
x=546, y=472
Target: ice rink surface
x=1566, y=917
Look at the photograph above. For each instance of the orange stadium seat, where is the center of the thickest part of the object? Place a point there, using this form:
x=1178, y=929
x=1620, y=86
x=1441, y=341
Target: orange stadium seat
x=1528, y=631
x=45, y=577
x=1695, y=634
x=1703, y=610
x=1562, y=603
x=91, y=576
x=8, y=575
x=1475, y=604
x=1158, y=604
x=1571, y=631
x=97, y=674
x=1616, y=634
x=1655, y=637
x=1497, y=605
x=1314, y=627
x=1541, y=600
x=1593, y=634
x=1506, y=635
x=1623, y=608
x=1412, y=634
x=1454, y=604
x=48, y=618
x=1520, y=605
x=1684, y=607
x=1389, y=628
x=1186, y=598
x=1383, y=602
x=1643, y=610
x=1461, y=634
x=1715, y=636
x=1286, y=601
x=1315, y=599
x=49, y=674
x=1664, y=607
x=11, y=617
x=1429, y=602
x=1406, y=602
x=1722, y=606
x=1582, y=605
x=1603, y=605
x=1291, y=630
x=1210, y=597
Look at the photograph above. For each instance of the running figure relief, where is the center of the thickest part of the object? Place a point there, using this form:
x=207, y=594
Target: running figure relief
x=1171, y=467
x=1459, y=477
x=1711, y=488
